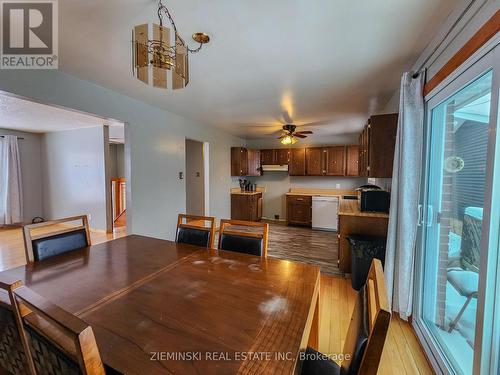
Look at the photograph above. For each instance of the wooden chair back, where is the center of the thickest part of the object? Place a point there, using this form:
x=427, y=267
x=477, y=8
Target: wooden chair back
x=193, y=224
x=43, y=232
x=372, y=307
x=245, y=229
x=13, y=344
x=63, y=343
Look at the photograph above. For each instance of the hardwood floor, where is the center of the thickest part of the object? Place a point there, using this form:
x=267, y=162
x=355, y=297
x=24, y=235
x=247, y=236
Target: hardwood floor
x=402, y=352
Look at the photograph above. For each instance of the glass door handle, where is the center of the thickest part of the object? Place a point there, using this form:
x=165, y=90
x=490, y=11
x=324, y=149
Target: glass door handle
x=419, y=219
x=430, y=215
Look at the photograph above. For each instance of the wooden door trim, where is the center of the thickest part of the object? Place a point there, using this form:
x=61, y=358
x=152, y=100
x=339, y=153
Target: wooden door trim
x=483, y=35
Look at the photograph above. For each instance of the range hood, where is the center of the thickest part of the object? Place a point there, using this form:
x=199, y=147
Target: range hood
x=274, y=168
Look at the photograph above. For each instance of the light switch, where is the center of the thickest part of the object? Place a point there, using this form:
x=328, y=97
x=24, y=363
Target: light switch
x=181, y=175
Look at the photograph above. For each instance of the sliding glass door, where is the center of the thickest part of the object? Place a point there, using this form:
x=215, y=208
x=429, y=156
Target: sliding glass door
x=456, y=219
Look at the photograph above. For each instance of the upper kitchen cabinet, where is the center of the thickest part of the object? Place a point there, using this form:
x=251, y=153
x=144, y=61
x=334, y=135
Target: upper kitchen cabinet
x=325, y=161
x=297, y=165
x=314, y=161
x=282, y=156
x=377, y=143
x=268, y=157
x=334, y=160
x=279, y=156
x=245, y=162
x=352, y=160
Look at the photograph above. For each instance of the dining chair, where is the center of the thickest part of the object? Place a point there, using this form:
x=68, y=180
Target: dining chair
x=59, y=342
x=247, y=237
x=13, y=345
x=366, y=334
x=192, y=230
x=45, y=244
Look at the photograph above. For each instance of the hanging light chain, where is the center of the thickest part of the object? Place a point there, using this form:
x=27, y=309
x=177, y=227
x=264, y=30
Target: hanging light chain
x=164, y=9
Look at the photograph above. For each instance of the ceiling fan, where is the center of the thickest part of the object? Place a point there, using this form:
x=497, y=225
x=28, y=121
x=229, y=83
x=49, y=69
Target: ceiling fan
x=289, y=136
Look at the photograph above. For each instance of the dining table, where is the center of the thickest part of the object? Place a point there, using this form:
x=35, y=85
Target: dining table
x=161, y=307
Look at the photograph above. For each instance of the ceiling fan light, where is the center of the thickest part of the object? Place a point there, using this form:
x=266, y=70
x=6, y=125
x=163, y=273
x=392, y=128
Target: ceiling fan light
x=288, y=140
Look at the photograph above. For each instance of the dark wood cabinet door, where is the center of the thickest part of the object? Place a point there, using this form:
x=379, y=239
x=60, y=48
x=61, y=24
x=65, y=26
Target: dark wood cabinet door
x=381, y=145
x=268, y=157
x=314, y=161
x=297, y=166
x=282, y=156
x=239, y=165
x=335, y=160
x=298, y=210
x=246, y=207
x=352, y=160
x=253, y=163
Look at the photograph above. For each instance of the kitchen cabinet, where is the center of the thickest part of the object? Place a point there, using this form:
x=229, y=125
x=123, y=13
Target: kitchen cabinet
x=246, y=206
x=297, y=165
x=325, y=161
x=314, y=161
x=352, y=160
x=334, y=159
x=245, y=162
x=298, y=210
x=268, y=157
x=377, y=144
x=282, y=156
x=279, y=156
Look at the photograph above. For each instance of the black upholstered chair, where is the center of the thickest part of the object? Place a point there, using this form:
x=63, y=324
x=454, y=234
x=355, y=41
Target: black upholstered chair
x=42, y=243
x=59, y=342
x=247, y=237
x=366, y=334
x=193, y=230
x=13, y=357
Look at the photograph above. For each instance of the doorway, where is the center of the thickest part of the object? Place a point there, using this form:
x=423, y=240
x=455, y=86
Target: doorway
x=196, y=177
x=118, y=184
x=458, y=253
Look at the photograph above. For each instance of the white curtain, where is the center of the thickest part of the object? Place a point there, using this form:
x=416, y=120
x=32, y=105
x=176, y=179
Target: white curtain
x=402, y=233
x=11, y=197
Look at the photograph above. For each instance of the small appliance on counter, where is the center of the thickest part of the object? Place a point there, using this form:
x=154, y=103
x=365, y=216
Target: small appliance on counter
x=372, y=198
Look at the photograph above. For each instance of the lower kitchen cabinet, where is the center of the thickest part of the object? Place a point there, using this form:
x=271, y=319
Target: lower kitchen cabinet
x=298, y=210
x=246, y=206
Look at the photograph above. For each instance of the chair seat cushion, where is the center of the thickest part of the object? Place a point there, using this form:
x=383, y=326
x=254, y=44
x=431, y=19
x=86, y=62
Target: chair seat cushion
x=465, y=282
x=193, y=236
x=241, y=244
x=48, y=247
x=316, y=363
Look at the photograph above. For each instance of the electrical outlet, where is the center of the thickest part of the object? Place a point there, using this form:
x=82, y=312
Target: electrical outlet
x=337, y=186
x=90, y=217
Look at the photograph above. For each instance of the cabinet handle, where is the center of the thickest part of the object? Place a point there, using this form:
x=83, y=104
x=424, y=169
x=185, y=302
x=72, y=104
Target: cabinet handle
x=300, y=199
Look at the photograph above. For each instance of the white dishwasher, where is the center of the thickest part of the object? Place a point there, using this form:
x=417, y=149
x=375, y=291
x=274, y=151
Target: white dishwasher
x=325, y=213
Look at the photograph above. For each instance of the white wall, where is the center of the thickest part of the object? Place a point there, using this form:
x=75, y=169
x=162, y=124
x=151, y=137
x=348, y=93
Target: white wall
x=31, y=174
x=155, y=140
x=73, y=175
x=195, y=178
x=279, y=183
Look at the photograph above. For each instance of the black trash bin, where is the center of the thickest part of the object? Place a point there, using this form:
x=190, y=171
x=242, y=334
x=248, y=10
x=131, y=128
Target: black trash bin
x=363, y=250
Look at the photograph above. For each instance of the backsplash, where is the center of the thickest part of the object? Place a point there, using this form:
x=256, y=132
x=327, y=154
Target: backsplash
x=277, y=184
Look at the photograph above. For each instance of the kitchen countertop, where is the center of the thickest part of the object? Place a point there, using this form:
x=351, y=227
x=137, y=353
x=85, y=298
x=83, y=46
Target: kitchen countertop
x=349, y=207
x=246, y=192
x=321, y=192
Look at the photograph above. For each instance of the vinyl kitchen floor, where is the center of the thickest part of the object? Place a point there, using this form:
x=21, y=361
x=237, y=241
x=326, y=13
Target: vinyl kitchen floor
x=305, y=245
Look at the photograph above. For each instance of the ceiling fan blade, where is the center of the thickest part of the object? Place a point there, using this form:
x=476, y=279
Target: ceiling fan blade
x=305, y=132
x=287, y=118
x=299, y=135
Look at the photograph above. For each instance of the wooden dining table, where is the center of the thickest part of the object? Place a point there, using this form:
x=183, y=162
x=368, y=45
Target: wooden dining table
x=160, y=307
